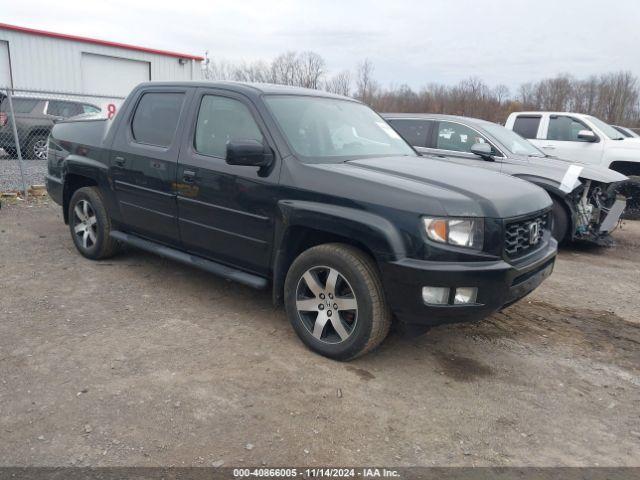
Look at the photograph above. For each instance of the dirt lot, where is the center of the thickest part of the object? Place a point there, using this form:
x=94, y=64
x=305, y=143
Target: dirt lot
x=142, y=361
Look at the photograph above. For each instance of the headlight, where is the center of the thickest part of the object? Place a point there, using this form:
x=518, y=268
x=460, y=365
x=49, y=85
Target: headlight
x=461, y=232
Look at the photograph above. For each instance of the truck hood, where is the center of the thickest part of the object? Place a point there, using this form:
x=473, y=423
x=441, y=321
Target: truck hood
x=556, y=168
x=430, y=186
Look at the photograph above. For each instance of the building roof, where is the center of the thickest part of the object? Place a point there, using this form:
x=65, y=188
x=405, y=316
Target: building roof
x=106, y=43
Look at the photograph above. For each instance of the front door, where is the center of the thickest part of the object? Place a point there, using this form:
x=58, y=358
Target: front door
x=226, y=212
x=453, y=142
x=561, y=140
x=144, y=160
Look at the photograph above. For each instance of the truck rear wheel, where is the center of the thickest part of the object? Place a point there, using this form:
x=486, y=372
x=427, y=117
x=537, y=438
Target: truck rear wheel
x=90, y=224
x=335, y=301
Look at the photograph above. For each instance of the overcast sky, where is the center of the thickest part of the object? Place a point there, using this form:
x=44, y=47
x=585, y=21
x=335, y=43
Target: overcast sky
x=409, y=41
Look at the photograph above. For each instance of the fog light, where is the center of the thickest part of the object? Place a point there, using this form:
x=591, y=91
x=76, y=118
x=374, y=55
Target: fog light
x=465, y=295
x=435, y=295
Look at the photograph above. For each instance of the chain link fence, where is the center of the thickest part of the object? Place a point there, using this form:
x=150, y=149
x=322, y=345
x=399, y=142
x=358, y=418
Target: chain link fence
x=26, y=119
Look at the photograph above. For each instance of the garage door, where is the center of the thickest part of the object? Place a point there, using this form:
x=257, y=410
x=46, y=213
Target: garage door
x=5, y=65
x=106, y=75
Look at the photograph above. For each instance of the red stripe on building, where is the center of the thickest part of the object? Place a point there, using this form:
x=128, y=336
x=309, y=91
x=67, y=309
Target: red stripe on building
x=95, y=41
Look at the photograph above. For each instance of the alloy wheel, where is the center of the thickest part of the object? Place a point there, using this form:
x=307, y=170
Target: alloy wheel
x=326, y=304
x=40, y=149
x=85, y=224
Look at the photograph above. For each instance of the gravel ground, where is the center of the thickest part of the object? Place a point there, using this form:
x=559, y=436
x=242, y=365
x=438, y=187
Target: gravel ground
x=142, y=361
x=10, y=179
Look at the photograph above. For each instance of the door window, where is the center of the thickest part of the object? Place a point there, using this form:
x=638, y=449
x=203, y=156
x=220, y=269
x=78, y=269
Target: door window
x=565, y=129
x=20, y=105
x=156, y=118
x=458, y=138
x=222, y=120
x=64, y=109
x=416, y=132
x=527, y=127
x=86, y=108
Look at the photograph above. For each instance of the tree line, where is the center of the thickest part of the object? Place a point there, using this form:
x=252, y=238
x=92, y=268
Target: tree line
x=613, y=97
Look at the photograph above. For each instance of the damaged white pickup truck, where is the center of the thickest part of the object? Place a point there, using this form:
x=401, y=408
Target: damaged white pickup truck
x=586, y=205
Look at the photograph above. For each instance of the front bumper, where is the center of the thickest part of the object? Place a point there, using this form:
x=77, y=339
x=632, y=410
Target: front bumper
x=499, y=284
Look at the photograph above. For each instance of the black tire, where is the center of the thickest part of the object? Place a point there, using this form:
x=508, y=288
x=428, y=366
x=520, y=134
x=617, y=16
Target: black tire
x=36, y=147
x=91, y=237
x=561, y=222
x=631, y=190
x=11, y=152
x=367, y=326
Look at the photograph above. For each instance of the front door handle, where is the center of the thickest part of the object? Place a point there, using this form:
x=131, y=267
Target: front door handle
x=188, y=176
x=549, y=147
x=120, y=161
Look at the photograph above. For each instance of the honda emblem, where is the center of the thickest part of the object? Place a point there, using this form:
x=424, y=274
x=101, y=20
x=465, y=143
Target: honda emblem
x=534, y=233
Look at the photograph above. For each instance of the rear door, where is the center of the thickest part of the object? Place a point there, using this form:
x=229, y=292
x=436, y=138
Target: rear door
x=226, y=212
x=415, y=131
x=143, y=162
x=560, y=139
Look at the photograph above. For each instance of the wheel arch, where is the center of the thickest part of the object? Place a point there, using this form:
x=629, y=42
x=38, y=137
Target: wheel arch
x=626, y=168
x=302, y=225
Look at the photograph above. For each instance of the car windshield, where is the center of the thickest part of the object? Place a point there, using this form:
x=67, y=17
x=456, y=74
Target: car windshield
x=607, y=129
x=321, y=129
x=512, y=141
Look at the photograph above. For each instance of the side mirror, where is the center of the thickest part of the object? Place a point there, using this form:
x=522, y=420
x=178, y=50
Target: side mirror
x=587, y=136
x=249, y=153
x=482, y=150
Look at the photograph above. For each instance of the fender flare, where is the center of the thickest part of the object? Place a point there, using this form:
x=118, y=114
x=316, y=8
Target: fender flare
x=82, y=167
x=377, y=233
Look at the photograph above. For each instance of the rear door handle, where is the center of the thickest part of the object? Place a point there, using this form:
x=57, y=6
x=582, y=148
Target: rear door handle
x=548, y=147
x=120, y=161
x=188, y=176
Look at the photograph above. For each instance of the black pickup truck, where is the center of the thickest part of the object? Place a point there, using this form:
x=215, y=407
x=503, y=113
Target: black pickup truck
x=311, y=194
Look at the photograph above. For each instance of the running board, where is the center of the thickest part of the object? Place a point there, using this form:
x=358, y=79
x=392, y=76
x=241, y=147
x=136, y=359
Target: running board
x=198, y=262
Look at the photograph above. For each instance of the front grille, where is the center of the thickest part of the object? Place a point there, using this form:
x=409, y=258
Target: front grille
x=521, y=236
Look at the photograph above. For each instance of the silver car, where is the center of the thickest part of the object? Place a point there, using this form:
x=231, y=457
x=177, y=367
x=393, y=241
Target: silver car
x=585, y=203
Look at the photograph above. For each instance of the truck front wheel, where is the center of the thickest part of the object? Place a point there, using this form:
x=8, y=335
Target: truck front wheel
x=335, y=301
x=561, y=222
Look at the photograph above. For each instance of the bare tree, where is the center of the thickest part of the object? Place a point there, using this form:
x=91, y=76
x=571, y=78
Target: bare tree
x=614, y=97
x=284, y=69
x=216, y=70
x=310, y=69
x=365, y=84
x=501, y=93
x=253, y=72
x=339, y=84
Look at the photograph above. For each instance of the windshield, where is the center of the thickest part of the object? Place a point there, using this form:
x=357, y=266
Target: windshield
x=512, y=141
x=333, y=129
x=605, y=128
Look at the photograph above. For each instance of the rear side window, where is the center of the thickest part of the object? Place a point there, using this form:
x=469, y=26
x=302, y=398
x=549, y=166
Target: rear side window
x=64, y=109
x=222, y=120
x=86, y=108
x=565, y=129
x=20, y=105
x=526, y=127
x=156, y=118
x=416, y=132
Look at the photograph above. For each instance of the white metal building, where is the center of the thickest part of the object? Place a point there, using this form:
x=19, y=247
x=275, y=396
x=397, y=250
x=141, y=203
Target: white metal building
x=40, y=60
